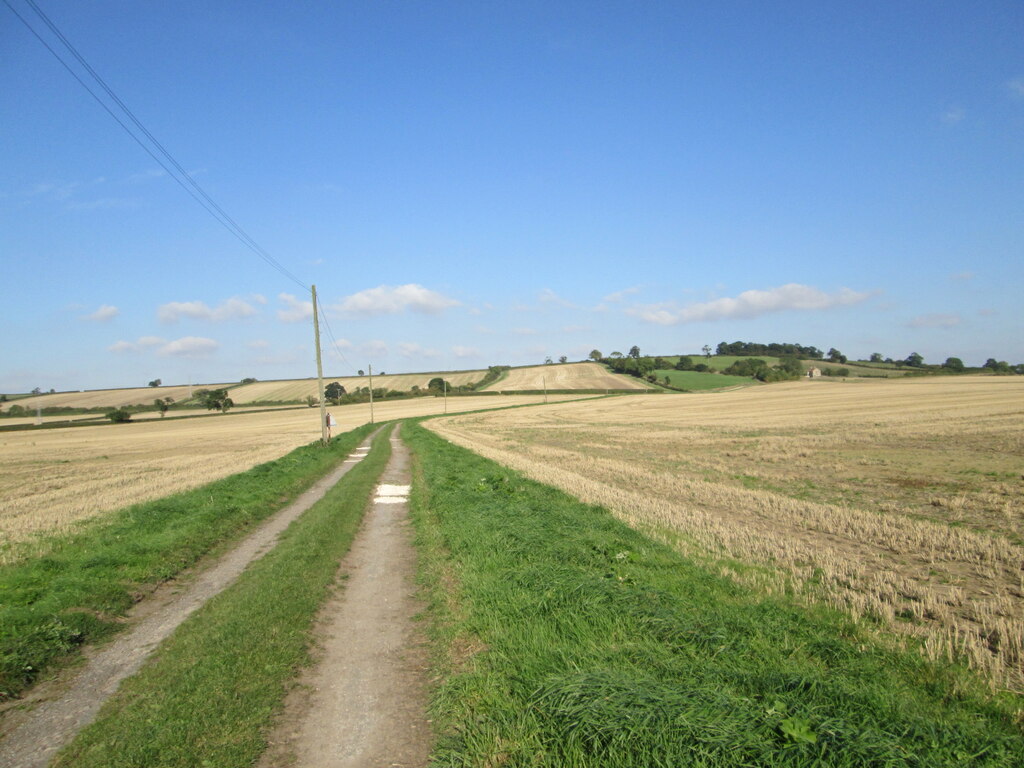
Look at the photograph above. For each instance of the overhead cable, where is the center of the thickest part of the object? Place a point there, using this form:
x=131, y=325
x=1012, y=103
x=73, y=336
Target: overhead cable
x=179, y=174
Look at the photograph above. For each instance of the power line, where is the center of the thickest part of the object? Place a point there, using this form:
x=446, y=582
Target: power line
x=179, y=174
x=330, y=333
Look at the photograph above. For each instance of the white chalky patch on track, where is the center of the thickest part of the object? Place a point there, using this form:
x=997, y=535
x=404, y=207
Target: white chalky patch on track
x=391, y=494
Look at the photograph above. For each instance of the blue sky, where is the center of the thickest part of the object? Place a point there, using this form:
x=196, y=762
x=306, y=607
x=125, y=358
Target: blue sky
x=475, y=183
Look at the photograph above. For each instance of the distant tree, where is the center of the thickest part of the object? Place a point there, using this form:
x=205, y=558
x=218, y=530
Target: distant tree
x=835, y=356
x=52, y=390
x=437, y=384
x=310, y=401
x=563, y=359
x=615, y=356
x=668, y=380
x=155, y=383
x=634, y=352
x=954, y=364
x=37, y=391
x=249, y=380
x=120, y=415
x=876, y=357
x=706, y=349
x=660, y=363
x=360, y=372
x=162, y=405
x=595, y=355
x=3, y=398
x=914, y=360
x=791, y=364
x=214, y=399
x=684, y=363
x=548, y=361
x=382, y=374
x=334, y=391
x=997, y=366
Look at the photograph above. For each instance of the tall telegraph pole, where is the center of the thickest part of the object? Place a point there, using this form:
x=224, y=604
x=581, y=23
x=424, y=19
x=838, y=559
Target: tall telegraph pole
x=319, y=372
x=369, y=369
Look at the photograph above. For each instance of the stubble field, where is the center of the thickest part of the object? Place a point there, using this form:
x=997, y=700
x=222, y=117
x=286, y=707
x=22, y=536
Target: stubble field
x=899, y=500
x=300, y=389
x=564, y=376
x=52, y=479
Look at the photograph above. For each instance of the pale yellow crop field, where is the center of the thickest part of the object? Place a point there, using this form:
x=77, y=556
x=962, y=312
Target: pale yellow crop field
x=99, y=418
x=300, y=389
x=51, y=479
x=564, y=376
x=900, y=498
x=109, y=398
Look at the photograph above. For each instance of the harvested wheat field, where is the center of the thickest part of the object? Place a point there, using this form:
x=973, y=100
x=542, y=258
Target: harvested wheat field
x=51, y=479
x=300, y=389
x=898, y=499
x=110, y=398
x=564, y=376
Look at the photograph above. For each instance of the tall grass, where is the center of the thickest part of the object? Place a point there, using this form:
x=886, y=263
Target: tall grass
x=566, y=638
x=78, y=592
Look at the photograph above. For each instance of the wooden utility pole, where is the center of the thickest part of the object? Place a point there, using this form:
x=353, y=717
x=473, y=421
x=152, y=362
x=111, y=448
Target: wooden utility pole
x=445, y=395
x=544, y=381
x=319, y=373
x=369, y=369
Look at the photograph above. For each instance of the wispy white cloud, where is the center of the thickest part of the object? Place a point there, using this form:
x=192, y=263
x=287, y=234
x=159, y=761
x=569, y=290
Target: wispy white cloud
x=618, y=296
x=295, y=310
x=230, y=309
x=935, y=321
x=103, y=314
x=962, y=277
x=141, y=345
x=410, y=349
x=750, y=304
x=1016, y=87
x=953, y=115
x=258, y=344
x=549, y=297
x=189, y=346
x=104, y=204
x=460, y=351
x=375, y=348
x=525, y=331
x=575, y=328
x=393, y=300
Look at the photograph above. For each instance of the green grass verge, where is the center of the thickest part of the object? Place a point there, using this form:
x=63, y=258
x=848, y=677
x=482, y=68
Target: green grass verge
x=77, y=591
x=208, y=696
x=695, y=380
x=565, y=638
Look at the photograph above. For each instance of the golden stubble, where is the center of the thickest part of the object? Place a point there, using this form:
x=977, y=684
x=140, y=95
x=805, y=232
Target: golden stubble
x=564, y=376
x=53, y=479
x=898, y=499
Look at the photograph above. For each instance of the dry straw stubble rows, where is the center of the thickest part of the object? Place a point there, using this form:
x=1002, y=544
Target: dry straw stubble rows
x=896, y=499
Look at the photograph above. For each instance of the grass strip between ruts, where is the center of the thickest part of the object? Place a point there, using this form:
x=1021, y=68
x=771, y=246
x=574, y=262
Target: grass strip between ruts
x=209, y=694
x=565, y=638
x=77, y=591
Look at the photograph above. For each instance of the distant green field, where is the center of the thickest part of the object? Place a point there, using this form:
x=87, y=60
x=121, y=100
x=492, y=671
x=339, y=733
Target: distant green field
x=696, y=380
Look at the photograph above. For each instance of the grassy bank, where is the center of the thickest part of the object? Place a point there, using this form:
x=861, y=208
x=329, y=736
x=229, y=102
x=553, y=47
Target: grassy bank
x=208, y=696
x=565, y=638
x=78, y=591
